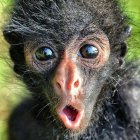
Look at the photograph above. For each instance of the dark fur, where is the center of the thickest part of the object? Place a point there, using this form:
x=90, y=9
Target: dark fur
x=116, y=113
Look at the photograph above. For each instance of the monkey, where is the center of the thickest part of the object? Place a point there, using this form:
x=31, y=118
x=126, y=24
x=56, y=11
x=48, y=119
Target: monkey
x=70, y=54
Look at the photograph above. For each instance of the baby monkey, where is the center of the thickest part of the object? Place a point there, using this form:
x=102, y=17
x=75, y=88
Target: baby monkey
x=70, y=54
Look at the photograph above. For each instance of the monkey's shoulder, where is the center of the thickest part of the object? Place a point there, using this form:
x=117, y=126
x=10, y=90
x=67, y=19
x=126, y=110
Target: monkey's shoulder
x=20, y=120
x=129, y=91
x=27, y=122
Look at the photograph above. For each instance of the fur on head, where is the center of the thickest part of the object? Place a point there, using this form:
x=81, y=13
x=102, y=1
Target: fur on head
x=60, y=21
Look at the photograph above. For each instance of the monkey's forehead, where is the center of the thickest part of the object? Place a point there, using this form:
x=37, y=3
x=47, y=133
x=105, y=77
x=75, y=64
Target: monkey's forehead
x=62, y=17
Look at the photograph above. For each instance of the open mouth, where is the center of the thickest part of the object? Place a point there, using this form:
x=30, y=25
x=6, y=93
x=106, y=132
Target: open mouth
x=70, y=116
x=70, y=112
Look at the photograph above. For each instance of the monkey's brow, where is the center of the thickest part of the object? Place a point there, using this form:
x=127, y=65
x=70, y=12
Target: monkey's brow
x=90, y=31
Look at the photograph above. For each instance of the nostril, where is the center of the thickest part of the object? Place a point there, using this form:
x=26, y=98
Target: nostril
x=76, y=84
x=58, y=85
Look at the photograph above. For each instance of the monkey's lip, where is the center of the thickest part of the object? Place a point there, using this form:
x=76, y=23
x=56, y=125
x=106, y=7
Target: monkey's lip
x=70, y=116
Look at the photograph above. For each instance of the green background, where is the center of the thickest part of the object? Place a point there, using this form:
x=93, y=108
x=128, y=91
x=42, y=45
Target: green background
x=11, y=90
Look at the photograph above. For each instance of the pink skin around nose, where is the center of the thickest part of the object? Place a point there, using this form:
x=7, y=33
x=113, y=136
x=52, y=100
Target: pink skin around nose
x=67, y=79
x=67, y=84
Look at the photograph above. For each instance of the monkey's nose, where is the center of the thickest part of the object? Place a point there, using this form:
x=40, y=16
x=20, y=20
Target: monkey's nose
x=67, y=85
x=60, y=84
x=72, y=84
x=67, y=78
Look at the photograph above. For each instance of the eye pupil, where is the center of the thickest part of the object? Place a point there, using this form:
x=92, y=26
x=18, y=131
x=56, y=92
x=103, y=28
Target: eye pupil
x=89, y=51
x=44, y=53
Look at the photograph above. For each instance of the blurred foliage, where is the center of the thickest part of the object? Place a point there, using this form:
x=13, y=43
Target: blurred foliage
x=132, y=10
x=11, y=93
x=11, y=89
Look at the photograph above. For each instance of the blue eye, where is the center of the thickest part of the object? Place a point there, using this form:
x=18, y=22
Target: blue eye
x=44, y=54
x=88, y=51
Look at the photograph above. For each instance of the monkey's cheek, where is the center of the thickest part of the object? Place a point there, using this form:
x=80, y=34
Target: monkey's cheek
x=71, y=118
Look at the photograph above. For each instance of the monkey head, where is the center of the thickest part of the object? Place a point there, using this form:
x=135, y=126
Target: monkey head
x=65, y=51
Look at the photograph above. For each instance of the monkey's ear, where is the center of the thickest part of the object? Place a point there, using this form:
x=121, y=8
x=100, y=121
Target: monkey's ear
x=13, y=37
x=123, y=49
x=16, y=50
x=120, y=52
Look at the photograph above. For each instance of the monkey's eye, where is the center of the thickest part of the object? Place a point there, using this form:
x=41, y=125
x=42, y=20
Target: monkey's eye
x=88, y=51
x=44, y=54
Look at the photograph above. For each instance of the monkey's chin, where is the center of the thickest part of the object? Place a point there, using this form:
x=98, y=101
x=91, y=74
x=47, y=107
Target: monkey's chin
x=71, y=117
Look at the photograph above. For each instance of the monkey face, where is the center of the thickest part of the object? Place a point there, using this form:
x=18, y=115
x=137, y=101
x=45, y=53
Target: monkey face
x=73, y=71
x=61, y=49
